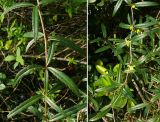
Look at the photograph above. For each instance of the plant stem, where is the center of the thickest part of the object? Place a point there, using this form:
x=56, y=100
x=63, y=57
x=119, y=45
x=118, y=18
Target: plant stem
x=46, y=59
x=43, y=29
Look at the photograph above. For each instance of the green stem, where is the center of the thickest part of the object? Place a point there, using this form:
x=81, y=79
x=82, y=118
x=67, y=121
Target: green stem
x=46, y=60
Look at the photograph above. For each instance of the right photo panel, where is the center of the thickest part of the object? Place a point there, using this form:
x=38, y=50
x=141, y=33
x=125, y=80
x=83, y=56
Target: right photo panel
x=124, y=60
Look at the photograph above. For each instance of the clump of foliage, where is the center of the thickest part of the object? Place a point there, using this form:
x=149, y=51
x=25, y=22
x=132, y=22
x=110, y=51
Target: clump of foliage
x=124, y=80
x=42, y=60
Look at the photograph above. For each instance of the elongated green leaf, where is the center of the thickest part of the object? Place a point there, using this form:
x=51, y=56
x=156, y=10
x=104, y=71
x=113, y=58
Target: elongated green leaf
x=101, y=113
x=118, y=101
x=46, y=2
x=104, y=32
x=53, y=105
x=145, y=25
x=51, y=51
x=97, y=40
x=69, y=112
x=35, y=22
x=17, y=5
x=118, y=4
x=153, y=78
x=30, y=43
x=24, y=105
x=139, y=106
x=65, y=79
x=146, y=3
x=10, y=58
x=94, y=103
x=91, y=1
x=141, y=60
x=123, y=25
x=31, y=35
x=139, y=37
x=25, y=71
x=68, y=43
x=128, y=94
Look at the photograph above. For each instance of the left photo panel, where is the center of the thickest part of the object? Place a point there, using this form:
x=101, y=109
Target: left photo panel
x=43, y=60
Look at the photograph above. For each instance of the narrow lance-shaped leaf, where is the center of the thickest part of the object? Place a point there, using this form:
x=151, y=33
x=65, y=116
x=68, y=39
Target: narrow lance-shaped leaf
x=17, y=5
x=30, y=43
x=118, y=4
x=68, y=112
x=68, y=43
x=25, y=71
x=31, y=35
x=94, y=103
x=35, y=22
x=103, y=28
x=51, y=51
x=65, y=79
x=146, y=3
x=53, y=105
x=24, y=105
x=102, y=49
x=139, y=106
x=101, y=113
x=123, y=25
x=145, y=25
x=140, y=36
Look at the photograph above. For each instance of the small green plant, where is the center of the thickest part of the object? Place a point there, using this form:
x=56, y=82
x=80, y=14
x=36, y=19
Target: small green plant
x=122, y=85
x=33, y=81
x=71, y=61
x=18, y=58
